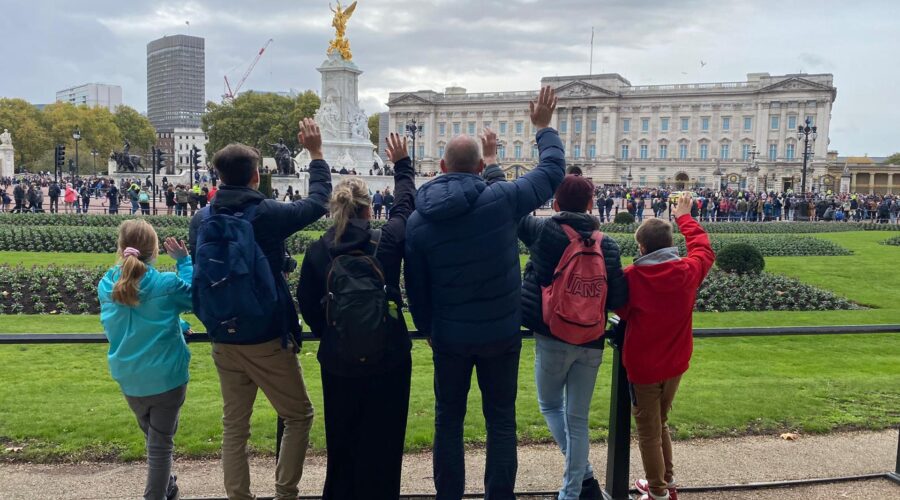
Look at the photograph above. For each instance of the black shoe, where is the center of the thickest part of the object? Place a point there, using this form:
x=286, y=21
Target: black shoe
x=590, y=490
x=172, y=490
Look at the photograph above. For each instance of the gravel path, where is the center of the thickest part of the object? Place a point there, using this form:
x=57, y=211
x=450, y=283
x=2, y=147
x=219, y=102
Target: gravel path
x=698, y=462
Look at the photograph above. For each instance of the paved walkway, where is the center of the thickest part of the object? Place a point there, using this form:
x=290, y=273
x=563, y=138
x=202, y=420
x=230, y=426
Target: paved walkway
x=699, y=462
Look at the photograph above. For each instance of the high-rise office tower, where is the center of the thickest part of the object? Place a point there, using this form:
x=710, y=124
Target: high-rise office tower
x=175, y=82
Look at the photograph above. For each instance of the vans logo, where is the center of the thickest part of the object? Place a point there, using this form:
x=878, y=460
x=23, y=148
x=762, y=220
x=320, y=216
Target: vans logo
x=591, y=286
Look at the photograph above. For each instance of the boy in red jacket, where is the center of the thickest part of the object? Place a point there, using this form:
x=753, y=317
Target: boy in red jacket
x=658, y=335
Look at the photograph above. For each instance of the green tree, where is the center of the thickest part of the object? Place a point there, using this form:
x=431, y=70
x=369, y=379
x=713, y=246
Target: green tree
x=373, y=128
x=134, y=127
x=257, y=120
x=894, y=159
x=29, y=134
x=98, y=131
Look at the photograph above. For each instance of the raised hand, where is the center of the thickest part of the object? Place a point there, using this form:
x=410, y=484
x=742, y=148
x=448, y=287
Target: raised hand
x=396, y=147
x=175, y=248
x=311, y=138
x=542, y=108
x=684, y=205
x=489, y=146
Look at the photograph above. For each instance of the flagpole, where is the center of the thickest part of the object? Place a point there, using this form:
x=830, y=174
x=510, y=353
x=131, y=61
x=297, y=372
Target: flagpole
x=591, y=71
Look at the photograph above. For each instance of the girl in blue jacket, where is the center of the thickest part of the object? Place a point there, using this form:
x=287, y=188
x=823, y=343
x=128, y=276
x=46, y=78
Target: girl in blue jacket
x=148, y=357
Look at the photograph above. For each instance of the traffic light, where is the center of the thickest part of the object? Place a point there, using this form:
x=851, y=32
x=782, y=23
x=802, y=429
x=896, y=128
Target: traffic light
x=60, y=156
x=160, y=160
x=195, y=156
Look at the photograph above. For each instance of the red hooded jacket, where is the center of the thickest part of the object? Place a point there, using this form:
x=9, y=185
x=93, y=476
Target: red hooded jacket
x=662, y=288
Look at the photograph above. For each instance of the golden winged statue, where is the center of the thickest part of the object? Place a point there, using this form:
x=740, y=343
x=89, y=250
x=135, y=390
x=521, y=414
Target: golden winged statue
x=340, y=44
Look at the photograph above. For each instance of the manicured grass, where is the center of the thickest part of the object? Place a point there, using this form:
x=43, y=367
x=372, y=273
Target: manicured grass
x=60, y=402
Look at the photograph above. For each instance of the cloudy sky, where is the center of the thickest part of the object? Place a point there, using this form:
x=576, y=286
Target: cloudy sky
x=483, y=45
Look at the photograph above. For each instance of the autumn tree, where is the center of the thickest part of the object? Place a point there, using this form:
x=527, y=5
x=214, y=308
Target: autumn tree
x=28, y=132
x=373, y=128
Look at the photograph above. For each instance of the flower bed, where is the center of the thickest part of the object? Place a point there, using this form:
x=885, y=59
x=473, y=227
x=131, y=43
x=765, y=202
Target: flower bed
x=722, y=292
x=895, y=241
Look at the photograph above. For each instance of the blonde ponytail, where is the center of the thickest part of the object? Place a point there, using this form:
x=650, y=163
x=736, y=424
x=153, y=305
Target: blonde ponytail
x=138, y=245
x=348, y=201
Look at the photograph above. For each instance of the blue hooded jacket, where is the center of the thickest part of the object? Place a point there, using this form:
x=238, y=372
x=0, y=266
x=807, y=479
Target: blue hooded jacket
x=463, y=279
x=147, y=352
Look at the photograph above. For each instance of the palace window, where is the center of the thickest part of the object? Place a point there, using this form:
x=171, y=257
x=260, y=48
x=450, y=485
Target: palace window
x=773, y=151
x=724, y=151
x=663, y=151
x=644, y=151
x=593, y=125
x=563, y=126
x=645, y=124
x=486, y=125
x=682, y=151
x=501, y=151
x=685, y=124
x=704, y=151
x=519, y=128
x=578, y=151
x=518, y=150
x=592, y=151
x=502, y=128
x=774, y=122
x=442, y=128
x=626, y=125
x=745, y=151
x=471, y=128
x=534, y=151
x=441, y=151
x=726, y=123
x=664, y=124
x=812, y=120
x=624, y=153
x=748, y=123
x=792, y=122
x=789, y=153
x=456, y=128
x=578, y=125
x=704, y=124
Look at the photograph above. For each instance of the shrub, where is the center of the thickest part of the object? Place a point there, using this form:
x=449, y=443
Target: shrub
x=722, y=292
x=740, y=258
x=623, y=218
x=895, y=241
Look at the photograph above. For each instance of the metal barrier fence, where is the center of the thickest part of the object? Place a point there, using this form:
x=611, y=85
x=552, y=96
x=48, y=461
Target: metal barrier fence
x=617, y=485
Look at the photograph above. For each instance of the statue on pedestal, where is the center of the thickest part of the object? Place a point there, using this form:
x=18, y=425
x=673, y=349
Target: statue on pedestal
x=283, y=157
x=328, y=118
x=125, y=161
x=340, y=44
x=5, y=138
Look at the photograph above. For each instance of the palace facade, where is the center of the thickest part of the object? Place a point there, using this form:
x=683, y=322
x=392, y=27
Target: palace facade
x=739, y=134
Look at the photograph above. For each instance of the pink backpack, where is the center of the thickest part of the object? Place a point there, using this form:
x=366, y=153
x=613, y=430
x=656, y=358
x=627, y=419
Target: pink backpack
x=574, y=304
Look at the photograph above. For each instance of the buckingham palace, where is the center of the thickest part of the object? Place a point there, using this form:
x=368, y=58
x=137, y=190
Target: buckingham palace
x=739, y=134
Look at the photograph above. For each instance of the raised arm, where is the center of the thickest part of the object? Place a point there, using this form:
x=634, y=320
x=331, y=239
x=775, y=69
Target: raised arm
x=181, y=291
x=492, y=171
x=700, y=255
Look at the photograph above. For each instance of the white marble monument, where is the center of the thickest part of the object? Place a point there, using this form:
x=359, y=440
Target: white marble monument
x=7, y=155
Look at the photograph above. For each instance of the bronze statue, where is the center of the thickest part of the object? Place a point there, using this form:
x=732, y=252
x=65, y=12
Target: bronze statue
x=283, y=157
x=340, y=44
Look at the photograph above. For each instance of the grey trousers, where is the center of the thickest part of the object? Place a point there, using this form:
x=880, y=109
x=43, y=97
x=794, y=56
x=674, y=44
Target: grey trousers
x=158, y=417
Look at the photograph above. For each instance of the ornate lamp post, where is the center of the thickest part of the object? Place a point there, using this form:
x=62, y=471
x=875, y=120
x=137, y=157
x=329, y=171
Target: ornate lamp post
x=77, y=136
x=804, y=133
x=94, y=153
x=414, y=131
x=629, y=178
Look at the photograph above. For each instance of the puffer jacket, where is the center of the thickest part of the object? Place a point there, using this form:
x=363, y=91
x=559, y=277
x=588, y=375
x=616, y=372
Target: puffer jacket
x=462, y=268
x=546, y=242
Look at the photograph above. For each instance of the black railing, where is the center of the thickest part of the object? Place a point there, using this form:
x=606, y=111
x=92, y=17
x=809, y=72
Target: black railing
x=619, y=441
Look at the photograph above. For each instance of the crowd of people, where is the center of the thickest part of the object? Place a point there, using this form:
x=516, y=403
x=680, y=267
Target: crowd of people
x=455, y=240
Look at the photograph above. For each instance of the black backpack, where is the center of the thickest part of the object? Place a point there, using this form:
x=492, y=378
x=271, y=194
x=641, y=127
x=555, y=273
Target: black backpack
x=356, y=305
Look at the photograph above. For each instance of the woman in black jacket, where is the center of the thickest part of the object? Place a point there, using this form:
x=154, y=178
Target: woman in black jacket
x=365, y=406
x=565, y=374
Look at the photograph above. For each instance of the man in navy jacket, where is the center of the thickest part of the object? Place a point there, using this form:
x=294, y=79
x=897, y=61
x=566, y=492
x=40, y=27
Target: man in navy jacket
x=463, y=283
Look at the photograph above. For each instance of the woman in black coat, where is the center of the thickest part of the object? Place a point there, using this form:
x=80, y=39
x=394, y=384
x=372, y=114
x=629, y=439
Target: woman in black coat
x=365, y=406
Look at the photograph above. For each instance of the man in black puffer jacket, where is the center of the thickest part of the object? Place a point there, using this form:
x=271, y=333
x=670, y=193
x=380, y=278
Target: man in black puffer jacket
x=565, y=374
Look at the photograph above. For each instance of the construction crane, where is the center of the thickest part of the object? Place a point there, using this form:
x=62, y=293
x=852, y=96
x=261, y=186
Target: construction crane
x=231, y=93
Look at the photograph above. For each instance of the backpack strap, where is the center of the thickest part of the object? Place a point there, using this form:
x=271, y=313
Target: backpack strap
x=375, y=241
x=575, y=236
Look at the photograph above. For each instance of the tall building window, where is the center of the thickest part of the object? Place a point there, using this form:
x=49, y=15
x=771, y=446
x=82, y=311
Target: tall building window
x=724, y=151
x=442, y=129
x=644, y=151
x=682, y=152
x=593, y=125
x=563, y=126
x=592, y=151
x=456, y=128
x=519, y=128
x=774, y=122
x=624, y=153
x=726, y=123
x=789, y=153
x=471, y=128
x=441, y=151
x=626, y=125
x=502, y=128
x=704, y=124
x=745, y=151
x=663, y=151
x=748, y=123
x=578, y=151
x=792, y=123
x=642, y=180
x=518, y=150
x=704, y=151
x=685, y=124
x=773, y=151
x=664, y=124
x=501, y=151
x=645, y=124
x=578, y=125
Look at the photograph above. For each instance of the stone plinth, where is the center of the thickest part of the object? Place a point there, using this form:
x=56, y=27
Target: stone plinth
x=344, y=126
x=7, y=160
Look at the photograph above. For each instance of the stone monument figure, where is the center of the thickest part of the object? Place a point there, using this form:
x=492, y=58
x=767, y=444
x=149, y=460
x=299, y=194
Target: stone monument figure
x=6, y=138
x=283, y=157
x=328, y=117
x=361, y=126
x=7, y=155
x=340, y=44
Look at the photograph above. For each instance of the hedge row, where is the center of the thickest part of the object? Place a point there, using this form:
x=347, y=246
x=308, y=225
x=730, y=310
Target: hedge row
x=73, y=290
x=96, y=220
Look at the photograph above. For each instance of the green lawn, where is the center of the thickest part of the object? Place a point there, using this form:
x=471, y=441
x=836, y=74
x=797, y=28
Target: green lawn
x=60, y=402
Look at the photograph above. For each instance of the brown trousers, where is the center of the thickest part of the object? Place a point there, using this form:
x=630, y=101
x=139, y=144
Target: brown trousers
x=651, y=404
x=243, y=369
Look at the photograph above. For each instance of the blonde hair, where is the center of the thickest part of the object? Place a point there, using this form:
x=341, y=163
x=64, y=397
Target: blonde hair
x=348, y=200
x=140, y=235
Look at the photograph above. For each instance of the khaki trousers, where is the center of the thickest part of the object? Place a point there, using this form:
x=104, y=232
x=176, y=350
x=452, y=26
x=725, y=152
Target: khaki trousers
x=242, y=370
x=651, y=404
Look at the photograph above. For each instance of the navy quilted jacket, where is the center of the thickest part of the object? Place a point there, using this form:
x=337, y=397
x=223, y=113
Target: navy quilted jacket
x=463, y=279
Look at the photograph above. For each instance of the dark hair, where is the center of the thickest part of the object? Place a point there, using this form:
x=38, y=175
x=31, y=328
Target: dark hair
x=574, y=170
x=236, y=164
x=654, y=234
x=574, y=193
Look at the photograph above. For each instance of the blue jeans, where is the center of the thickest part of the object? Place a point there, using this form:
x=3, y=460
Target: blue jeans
x=565, y=376
x=497, y=367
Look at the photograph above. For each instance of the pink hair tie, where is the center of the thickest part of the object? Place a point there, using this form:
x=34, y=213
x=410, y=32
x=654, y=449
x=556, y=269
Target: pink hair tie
x=131, y=252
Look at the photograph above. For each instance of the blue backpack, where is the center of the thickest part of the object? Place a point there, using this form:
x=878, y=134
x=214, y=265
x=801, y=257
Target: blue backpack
x=234, y=290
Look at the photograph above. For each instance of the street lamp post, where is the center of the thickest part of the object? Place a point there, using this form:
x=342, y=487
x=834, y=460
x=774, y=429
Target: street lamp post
x=77, y=136
x=94, y=153
x=413, y=131
x=804, y=133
